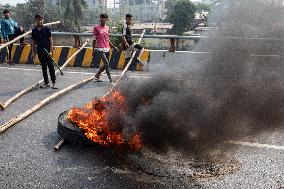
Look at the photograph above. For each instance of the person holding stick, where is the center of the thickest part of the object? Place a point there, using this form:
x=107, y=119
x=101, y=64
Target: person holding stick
x=128, y=45
x=10, y=30
x=102, y=44
x=41, y=36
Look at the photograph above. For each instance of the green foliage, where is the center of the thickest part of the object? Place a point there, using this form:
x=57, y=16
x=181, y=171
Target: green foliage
x=6, y=6
x=73, y=13
x=116, y=27
x=24, y=13
x=181, y=16
x=116, y=23
x=169, y=5
x=202, y=7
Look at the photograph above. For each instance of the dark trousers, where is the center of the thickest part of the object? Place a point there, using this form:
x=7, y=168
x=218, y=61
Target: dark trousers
x=10, y=38
x=46, y=62
x=104, y=56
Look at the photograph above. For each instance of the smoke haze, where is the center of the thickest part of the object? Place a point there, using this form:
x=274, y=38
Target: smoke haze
x=236, y=92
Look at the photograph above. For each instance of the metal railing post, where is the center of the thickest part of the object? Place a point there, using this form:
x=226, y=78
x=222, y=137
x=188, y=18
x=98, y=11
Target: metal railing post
x=173, y=45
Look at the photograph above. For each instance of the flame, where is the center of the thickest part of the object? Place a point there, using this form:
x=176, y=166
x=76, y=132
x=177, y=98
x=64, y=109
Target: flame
x=95, y=119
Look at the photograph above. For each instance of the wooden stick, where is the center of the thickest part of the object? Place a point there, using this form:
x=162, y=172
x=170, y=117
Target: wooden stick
x=18, y=95
x=125, y=69
x=61, y=142
x=25, y=34
x=2, y=107
x=27, y=113
x=8, y=52
x=58, y=146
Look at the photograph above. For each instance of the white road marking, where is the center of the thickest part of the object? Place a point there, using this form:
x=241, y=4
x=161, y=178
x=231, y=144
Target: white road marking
x=74, y=72
x=266, y=55
x=268, y=146
x=140, y=76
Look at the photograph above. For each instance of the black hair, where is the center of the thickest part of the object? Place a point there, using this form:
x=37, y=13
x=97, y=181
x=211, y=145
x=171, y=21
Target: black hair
x=6, y=11
x=128, y=15
x=38, y=16
x=103, y=16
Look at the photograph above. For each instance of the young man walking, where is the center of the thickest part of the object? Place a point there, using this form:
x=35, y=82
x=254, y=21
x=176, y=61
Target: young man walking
x=10, y=30
x=102, y=44
x=128, y=45
x=41, y=36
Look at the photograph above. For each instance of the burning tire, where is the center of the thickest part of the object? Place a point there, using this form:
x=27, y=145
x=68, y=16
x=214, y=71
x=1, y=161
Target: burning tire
x=172, y=165
x=70, y=132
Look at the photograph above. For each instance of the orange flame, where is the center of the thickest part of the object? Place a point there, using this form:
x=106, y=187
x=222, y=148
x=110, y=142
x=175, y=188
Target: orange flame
x=95, y=120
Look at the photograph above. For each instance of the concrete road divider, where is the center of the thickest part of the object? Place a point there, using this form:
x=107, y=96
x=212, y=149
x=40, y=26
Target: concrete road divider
x=85, y=59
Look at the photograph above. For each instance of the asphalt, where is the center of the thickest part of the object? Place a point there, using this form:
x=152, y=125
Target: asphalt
x=28, y=160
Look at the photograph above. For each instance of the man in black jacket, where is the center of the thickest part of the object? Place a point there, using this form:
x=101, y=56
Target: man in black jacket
x=41, y=36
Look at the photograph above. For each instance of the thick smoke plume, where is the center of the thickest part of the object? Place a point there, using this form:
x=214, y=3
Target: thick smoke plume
x=236, y=92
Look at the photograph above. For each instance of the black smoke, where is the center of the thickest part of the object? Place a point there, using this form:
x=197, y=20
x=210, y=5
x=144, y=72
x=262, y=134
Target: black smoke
x=238, y=90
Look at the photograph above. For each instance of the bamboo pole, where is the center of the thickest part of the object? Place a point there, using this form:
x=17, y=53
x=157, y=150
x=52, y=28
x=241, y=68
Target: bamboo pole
x=61, y=142
x=25, y=34
x=125, y=69
x=58, y=146
x=18, y=95
x=27, y=113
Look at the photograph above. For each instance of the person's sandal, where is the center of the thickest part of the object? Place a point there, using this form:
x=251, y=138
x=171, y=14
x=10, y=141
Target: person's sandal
x=54, y=87
x=9, y=62
x=44, y=86
x=97, y=78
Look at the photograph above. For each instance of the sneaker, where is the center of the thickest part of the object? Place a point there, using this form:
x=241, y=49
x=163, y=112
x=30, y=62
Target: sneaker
x=97, y=78
x=44, y=86
x=9, y=62
x=140, y=62
x=112, y=83
x=54, y=86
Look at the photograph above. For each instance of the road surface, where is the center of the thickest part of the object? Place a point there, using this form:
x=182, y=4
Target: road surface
x=27, y=158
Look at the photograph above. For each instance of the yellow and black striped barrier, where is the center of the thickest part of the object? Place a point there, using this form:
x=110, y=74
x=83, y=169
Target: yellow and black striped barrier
x=84, y=59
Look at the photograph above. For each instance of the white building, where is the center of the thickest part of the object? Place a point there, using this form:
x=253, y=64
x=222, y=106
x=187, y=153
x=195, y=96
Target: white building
x=145, y=10
x=96, y=3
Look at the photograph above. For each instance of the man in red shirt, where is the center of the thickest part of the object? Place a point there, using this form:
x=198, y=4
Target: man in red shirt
x=102, y=44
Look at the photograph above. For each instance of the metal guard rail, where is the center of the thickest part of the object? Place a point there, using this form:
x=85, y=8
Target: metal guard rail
x=190, y=37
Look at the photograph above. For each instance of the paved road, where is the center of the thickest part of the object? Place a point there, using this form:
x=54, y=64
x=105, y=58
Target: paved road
x=27, y=158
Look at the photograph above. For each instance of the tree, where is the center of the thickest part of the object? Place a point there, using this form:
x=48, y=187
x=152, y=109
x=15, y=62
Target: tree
x=6, y=6
x=182, y=17
x=24, y=13
x=169, y=5
x=74, y=12
x=202, y=7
